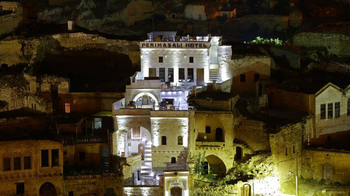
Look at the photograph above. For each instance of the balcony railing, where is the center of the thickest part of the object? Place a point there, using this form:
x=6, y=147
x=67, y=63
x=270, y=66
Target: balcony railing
x=208, y=145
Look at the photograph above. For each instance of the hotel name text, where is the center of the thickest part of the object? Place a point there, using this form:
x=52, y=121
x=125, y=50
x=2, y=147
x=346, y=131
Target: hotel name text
x=174, y=45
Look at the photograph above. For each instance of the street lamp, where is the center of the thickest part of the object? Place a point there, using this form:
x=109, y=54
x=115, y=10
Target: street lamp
x=296, y=183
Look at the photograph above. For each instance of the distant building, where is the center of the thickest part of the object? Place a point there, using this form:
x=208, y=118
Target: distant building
x=195, y=12
x=228, y=12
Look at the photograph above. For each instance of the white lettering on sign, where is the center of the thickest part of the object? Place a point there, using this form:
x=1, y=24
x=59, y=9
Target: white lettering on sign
x=174, y=45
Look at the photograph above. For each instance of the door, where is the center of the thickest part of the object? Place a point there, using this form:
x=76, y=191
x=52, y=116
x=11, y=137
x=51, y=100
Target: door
x=152, y=72
x=141, y=148
x=200, y=77
x=218, y=135
x=176, y=191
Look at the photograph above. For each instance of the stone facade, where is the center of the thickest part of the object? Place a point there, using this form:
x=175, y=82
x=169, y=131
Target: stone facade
x=10, y=22
x=33, y=172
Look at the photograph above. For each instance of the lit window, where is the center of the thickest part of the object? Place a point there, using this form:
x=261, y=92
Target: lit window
x=323, y=111
x=179, y=140
x=330, y=110
x=97, y=123
x=160, y=59
x=337, y=109
x=242, y=77
x=191, y=59
x=136, y=133
x=181, y=74
x=67, y=107
x=190, y=75
x=162, y=74
x=170, y=74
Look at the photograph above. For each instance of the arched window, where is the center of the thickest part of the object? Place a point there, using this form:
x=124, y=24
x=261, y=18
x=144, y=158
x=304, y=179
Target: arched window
x=163, y=140
x=173, y=160
x=207, y=129
x=179, y=140
x=327, y=171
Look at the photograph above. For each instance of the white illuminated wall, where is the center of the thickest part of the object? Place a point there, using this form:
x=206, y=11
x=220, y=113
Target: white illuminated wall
x=175, y=58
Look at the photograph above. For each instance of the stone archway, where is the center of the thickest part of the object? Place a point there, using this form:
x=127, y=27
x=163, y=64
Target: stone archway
x=146, y=97
x=216, y=166
x=47, y=189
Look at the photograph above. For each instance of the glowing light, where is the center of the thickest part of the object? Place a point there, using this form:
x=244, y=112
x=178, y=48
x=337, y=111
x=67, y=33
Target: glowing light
x=163, y=93
x=269, y=186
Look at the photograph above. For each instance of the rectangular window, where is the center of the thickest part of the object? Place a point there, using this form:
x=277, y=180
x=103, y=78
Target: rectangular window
x=337, y=109
x=97, y=123
x=27, y=162
x=170, y=74
x=162, y=74
x=199, y=16
x=70, y=193
x=256, y=77
x=181, y=75
x=67, y=108
x=293, y=149
x=7, y=164
x=190, y=75
x=242, y=77
x=19, y=188
x=44, y=158
x=286, y=152
x=191, y=59
x=82, y=156
x=17, y=163
x=54, y=157
x=330, y=110
x=160, y=59
x=323, y=111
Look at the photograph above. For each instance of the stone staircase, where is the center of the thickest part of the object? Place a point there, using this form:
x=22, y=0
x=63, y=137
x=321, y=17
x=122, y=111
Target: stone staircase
x=213, y=72
x=146, y=166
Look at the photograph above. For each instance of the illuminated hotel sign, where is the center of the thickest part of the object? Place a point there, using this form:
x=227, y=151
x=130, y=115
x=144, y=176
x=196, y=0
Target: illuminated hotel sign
x=174, y=45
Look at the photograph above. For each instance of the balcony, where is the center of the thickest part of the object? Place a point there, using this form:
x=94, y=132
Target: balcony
x=207, y=145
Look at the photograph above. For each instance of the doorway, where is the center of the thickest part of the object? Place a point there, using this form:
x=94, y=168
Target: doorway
x=218, y=135
x=47, y=189
x=141, y=150
x=200, y=77
x=176, y=191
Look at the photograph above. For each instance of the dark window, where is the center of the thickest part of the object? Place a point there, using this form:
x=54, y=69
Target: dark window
x=163, y=140
x=19, y=188
x=162, y=74
x=160, y=59
x=7, y=164
x=337, y=109
x=330, y=110
x=173, y=160
x=64, y=152
x=190, y=75
x=17, y=163
x=82, y=156
x=179, y=140
x=27, y=162
x=256, y=77
x=242, y=77
x=348, y=106
x=207, y=129
x=70, y=193
x=323, y=111
x=191, y=59
x=171, y=74
x=172, y=15
x=286, y=151
x=200, y=16
x=293, y=149
x=44, y=158
x=54, y=157
x=181, y=75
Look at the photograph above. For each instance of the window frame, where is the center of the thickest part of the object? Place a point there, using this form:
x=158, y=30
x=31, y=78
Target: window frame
x=323, y=111
x=160, y=59
x=336, y=109
x=191, y=59
x=164, y=140
x=41, y=156
x=330, y=110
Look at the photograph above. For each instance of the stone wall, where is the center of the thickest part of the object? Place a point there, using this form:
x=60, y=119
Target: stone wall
x=333, y=43
x=97, y=185
x=314, y=162
x=9, y=23
x=253, y=134
x=36, y=176
x=143, y=190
